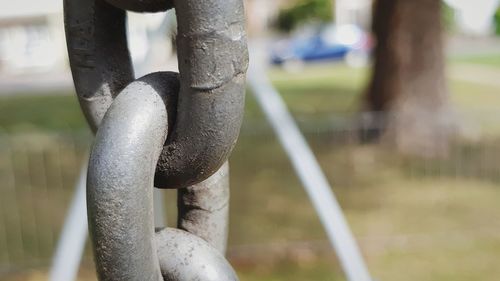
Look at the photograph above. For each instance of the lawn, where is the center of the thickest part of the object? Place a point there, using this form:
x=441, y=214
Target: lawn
x=488, y=59
x=415, y=219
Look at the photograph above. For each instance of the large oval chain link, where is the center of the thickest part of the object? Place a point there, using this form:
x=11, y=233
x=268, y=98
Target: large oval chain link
x=213, y=58
x=157, y=132
x=120, y=196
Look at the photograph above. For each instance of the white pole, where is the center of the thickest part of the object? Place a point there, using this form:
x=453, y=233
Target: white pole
x=70, y=247
x=308, y=170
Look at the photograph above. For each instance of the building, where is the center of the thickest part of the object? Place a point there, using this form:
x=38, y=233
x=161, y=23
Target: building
x=31, y=35
x=358, y=12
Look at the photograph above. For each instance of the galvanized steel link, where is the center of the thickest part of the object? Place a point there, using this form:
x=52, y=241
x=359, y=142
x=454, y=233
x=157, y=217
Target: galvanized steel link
x=120, y=190
x=98, y=54
x=213, y=59
x=203, y=209
x=204, y=116
x=186, y=257
x=119, y=182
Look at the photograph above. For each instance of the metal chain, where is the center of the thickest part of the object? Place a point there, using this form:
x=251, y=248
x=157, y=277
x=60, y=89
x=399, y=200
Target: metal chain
x=204, y=209
x=164, y=130
x=120, y=195
x=213, y=58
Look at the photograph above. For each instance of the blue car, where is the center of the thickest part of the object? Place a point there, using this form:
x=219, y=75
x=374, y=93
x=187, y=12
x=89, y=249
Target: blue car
x=328, y=42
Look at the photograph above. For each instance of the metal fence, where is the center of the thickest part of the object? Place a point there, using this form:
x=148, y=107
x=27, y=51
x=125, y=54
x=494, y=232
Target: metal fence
x=37, y=178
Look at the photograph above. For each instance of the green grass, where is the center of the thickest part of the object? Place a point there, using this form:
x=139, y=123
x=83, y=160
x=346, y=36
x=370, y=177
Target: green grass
x=299, y=271
x=492, y=59
x=40, y=113
x=424, y=224
x=415, y=219
x=322, y=89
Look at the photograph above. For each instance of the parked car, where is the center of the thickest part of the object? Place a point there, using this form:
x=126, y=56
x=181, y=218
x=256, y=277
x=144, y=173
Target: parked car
x=328, y=42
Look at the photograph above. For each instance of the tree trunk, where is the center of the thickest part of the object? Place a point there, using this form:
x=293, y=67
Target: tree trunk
x=408, y=91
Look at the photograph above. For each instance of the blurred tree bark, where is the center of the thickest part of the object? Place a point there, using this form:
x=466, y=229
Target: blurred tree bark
x=408, y=80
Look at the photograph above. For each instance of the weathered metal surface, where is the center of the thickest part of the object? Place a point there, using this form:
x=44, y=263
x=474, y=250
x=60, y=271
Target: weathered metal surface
x=120, y=181
x=120, y=194
x=98, y=54
x=170, y=130
x=142, y=5
x=213, y=59
x=203, y=209
x=186, y=257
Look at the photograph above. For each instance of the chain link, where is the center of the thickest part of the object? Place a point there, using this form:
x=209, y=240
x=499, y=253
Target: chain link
x=164, y=129
x=213, y=58
x=119, y=182
x=204, y=208
x=186, y=257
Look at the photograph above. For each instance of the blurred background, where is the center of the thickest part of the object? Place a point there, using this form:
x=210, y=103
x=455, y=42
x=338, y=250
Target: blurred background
x=398, y=100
